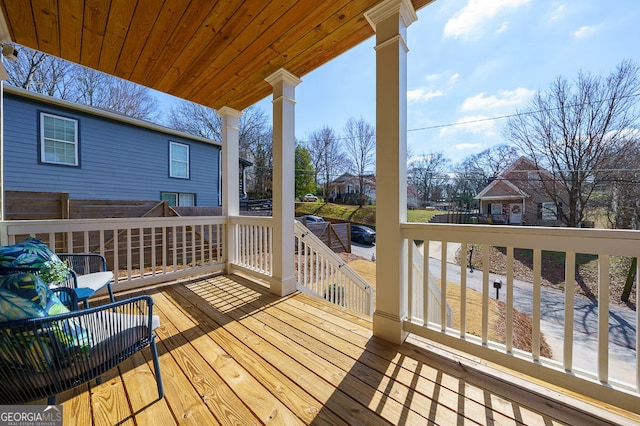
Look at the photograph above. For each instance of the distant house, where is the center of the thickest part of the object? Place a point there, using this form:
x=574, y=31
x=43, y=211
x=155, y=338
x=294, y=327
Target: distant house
x=346, y=189
x=518, y=197
x=52, y=145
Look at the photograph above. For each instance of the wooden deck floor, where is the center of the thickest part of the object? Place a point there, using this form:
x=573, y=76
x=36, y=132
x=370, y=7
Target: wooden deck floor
x=231, y=353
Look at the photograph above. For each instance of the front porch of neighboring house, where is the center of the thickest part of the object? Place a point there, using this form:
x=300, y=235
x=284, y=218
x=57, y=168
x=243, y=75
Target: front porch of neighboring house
x=236, y=350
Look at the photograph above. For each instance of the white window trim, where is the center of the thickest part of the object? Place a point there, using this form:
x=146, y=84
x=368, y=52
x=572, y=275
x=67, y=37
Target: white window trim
x=171, y=160
x=43, y=139
x=178, y=195
x=549, y=211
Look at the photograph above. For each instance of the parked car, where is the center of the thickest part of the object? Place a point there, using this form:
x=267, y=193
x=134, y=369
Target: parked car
x=309, y=218
x=310, y=198
x=363, y=234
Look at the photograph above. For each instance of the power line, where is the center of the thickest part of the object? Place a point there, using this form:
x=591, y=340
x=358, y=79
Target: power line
x=518, y=114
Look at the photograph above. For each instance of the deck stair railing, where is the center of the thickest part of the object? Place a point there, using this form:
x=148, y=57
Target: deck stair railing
x=434, y=296
x=322, y=273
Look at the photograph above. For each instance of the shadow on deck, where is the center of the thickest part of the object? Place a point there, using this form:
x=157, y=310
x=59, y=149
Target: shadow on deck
x=232, y=353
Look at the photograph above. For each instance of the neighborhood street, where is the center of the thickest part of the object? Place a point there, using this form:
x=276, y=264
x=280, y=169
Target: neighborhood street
x=622, y=321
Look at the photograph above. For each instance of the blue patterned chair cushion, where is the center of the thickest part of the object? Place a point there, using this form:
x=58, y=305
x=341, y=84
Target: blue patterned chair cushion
x=25, y=295
x=29, y=254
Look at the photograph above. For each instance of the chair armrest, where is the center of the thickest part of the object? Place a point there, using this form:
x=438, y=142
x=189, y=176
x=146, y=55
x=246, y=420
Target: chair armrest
x=138, y=311
x=85, y=263
x=67, y=296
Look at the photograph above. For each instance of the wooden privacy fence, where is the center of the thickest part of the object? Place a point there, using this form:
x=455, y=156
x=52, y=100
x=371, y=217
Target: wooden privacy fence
x=25, y=205
x=336, y=236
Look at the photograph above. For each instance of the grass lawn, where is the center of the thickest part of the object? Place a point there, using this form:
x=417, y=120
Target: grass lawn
x=365, y=215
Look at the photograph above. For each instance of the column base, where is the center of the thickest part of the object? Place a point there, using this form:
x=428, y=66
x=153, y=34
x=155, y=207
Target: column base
x=283, y=286
x=388, y=327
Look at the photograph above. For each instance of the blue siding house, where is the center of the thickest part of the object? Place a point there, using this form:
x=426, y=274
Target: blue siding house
x=52, y=145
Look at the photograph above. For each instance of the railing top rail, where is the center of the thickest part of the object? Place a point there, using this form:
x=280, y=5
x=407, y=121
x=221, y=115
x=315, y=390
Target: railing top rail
x=615, y=242
x=250, y=220
x=66, y=225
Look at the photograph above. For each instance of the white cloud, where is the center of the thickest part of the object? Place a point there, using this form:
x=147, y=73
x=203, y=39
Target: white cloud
x=586, y=31
x=506, y=98
x=558, y=12
x=421, y=95
x=477, y=12
x=503, y=28
x=438, y=85
x=471, y=124
x=466, y=146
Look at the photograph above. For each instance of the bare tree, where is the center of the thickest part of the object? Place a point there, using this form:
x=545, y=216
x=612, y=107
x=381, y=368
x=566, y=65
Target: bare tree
x=326, y=156
x=468, y=180
x=426, y=174
x=360, y=144
x=578, y=132
x=55, y=77
x=620, y=196
x=40, y=73
x=196, y=120
x=492, y=161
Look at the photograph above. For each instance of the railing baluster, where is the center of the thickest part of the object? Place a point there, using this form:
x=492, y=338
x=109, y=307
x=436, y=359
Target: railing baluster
x=569, y=284
x=116, y=260
x=87, y=248
x=426, y=307
x=411, y=293
x=443, y=284
x=141, y=235
x=537, y=283
x=603, y=318
x=129, y=262
x=485, y=294
x=154, y=259
x=463, y=289
x=164, y=249
x=509, y=283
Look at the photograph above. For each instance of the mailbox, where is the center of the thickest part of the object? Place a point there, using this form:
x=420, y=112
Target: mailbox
x=497, y=284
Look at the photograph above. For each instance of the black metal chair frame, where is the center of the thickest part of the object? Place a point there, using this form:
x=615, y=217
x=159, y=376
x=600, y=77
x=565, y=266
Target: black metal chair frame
x=84, y=264
x=80, y=264
x=35, y=365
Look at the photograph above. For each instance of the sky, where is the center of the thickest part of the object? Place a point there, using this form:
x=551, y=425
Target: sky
x=471, y=60
x=469, y=63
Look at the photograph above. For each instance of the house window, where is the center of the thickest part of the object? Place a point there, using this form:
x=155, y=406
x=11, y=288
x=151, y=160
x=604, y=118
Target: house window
x=178, y=160
x=534, y=176
x=179, y=199
x=549, y=211
x=59, y=140
x=496, y=208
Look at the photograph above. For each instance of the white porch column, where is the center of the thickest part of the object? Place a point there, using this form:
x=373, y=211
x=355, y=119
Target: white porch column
x=283, y=276
x=390, y=20
x=230, y=170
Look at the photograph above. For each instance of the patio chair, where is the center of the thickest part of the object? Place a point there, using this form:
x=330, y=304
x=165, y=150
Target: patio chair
x=59, y=349
x=87, y=275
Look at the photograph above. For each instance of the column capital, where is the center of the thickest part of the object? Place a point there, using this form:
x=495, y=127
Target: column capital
x=228, y=111
x=282, y=75
x=385, y=9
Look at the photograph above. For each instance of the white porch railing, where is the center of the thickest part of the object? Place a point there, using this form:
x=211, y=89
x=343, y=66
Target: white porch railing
x=572, y=372
x=253, y=239
x=140, y=251
x=322, y=273
x=420, y=284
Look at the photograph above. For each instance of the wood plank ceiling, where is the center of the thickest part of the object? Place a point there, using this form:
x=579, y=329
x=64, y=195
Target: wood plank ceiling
x=215, y=53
